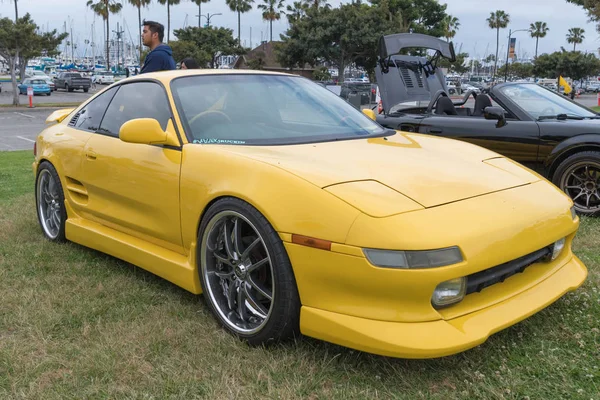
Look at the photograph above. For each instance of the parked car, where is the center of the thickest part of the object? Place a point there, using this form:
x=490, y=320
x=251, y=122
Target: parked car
x=393, y=243
x=71, y=81
x=105, y=78
x=535, y=126
x=364, y=90
x=40, y=86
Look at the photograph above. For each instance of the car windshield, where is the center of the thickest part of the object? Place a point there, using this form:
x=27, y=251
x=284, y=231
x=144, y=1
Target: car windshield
x=542, y=103
x=265, y=109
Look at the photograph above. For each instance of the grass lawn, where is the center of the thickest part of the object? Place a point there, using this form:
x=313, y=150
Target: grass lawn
x=77, y=324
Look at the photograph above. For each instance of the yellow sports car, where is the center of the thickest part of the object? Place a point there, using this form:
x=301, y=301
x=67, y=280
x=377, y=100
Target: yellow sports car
x=295, y=213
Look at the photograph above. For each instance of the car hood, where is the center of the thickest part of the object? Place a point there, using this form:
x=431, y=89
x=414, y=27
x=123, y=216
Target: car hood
x=428, y=170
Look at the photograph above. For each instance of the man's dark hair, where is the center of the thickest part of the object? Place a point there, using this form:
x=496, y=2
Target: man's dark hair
x=156, y=27
x=190, y=63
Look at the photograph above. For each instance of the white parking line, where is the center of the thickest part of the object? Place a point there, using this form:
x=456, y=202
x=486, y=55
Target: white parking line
x=24, y=115
x=24, y=138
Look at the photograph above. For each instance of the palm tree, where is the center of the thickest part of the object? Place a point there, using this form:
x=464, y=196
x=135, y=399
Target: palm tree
x=317, y=4
x=296, y=11
x=169, y=3
x=538, y=30
x=240, y=6
x=104, y=8
x=497, y=20
x=272, y=10
x=575, y=36
x=16, y=11
x=451, y=25
x=199, y=3
x=139, y=4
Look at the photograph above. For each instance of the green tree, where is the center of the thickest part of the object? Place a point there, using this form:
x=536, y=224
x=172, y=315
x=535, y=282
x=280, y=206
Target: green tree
x=184, y=49
x=592, y=7
x=498, y=20
x=169, y=3
x=457, y=66
x=296, y=11
x=139, y=4
x=517, y=70
x=210, y=40
x=316, y=4
x=573, y=64
x=340, y=36
x=239, y=6
x=104, y=8
x=451, y=25
x=21, y=40
x=419, y=16
x=272, y=10
x=258, y=60
x=321, y=74
x=199, y=4
x=575, y=36
x=538, y=30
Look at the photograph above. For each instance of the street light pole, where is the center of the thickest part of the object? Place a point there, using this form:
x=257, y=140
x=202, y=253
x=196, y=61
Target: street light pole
x=208, y=16
x=510, y=32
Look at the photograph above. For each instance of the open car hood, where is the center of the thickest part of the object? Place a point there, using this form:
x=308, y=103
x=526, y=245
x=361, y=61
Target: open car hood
x=404, y=78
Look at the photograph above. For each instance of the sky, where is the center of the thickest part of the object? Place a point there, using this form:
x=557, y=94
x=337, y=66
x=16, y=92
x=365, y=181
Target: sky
x=474, y=36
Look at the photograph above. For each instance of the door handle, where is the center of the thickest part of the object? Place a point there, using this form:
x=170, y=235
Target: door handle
x=435, y=130
x=90, y=155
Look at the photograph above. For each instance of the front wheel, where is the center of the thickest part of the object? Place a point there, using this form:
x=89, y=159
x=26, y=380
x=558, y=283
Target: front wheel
x=246, y=275
x=579, y=177
x=50, y=202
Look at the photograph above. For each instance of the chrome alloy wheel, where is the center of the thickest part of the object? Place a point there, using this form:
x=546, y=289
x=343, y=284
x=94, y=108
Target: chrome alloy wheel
x=49, y=207
x=582, y=183
x=238, y=272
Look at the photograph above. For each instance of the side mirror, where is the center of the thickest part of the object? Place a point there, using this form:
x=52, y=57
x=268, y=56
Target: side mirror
x=496, y=113
x=369, y=113
x=144, y=131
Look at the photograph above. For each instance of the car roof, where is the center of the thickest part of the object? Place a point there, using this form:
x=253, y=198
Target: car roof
x=167, y=76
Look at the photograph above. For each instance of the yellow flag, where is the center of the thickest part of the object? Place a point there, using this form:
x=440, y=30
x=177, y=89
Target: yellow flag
x=564, y=83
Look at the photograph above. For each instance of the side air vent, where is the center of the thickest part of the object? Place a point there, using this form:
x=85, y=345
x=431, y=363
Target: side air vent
x=419, y=80
x=73, y=120
x=406, y=77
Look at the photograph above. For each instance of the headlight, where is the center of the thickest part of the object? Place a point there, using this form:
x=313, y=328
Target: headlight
x=573, y=213
x=449, y=292
x=559, y=245
x=414, y=259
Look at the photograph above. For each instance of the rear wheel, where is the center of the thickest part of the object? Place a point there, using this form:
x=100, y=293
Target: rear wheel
x=85, y=90
x=246, y=275
x=579, y=177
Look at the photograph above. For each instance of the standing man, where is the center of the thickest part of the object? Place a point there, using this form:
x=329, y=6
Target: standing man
x=160, y=57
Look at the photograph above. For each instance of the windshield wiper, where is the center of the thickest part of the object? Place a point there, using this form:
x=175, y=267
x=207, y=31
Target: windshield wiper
x=560, y=117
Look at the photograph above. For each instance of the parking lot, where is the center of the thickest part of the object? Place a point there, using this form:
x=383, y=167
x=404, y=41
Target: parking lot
x=60, y=96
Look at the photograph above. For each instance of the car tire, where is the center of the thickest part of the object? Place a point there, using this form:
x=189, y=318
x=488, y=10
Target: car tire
x=579, y=177
x=49, y=93
x=247, y=281
x=85, y=90
x=50, y=203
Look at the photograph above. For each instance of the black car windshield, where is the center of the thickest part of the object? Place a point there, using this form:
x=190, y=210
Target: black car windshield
x=542, y=103
x=265, y=109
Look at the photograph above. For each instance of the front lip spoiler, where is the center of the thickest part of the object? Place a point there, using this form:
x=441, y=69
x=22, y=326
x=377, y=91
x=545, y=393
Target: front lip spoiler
x=442, y=337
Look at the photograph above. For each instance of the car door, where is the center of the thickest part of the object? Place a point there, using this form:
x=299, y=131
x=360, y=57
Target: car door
x=518, y=140
x=80, y=127
x=134, y=188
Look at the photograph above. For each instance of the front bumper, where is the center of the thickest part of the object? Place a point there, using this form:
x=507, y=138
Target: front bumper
x=441, y=337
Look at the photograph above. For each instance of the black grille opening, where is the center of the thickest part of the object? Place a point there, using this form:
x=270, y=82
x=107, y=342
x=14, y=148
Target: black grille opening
x=478, y=281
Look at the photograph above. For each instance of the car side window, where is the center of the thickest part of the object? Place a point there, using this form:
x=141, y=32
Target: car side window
x=136, y=100
x=91, y=115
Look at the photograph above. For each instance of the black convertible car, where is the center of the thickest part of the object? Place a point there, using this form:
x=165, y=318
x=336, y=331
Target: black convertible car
x=541, y=129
